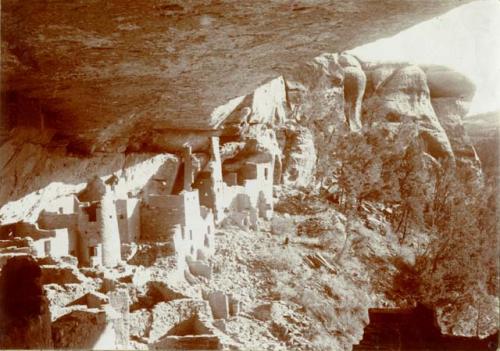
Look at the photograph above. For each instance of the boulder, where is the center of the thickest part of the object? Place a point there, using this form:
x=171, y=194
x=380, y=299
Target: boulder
x=200, y=268
x=404, y=98
x=283, y=226
x=219, y=303
x=450, y=112
x=451, y=95
x=354, y=90
x=444, y=82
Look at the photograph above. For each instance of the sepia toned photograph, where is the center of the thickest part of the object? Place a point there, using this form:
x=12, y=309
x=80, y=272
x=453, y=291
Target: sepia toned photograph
x=317, y=175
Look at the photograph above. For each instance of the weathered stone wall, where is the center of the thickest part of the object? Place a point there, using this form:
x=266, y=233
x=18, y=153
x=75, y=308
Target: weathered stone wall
x=57, y=246
x=256, y=193
x=197, y=237
x=89, y=238
x=210, y=182
x=161, y=217
x=191, y=206
x=51, y=220
x=53, y=242
x=24, y=229
x=129, y=219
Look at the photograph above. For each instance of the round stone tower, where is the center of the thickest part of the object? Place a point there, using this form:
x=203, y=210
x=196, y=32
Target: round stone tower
x=110, y=235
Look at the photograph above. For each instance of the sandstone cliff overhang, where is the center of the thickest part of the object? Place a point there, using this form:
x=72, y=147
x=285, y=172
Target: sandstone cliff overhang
x=86, y=68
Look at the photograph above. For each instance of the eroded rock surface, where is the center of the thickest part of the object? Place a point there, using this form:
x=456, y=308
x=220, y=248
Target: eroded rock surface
x=303, y=281
x=104, y=72
x=34, y=172
x=291, y=121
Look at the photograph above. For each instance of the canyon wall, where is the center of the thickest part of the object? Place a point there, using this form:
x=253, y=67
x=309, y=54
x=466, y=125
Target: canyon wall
x=291, y=121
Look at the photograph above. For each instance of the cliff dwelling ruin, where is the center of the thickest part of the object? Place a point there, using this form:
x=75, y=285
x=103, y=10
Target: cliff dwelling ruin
x=273, y=175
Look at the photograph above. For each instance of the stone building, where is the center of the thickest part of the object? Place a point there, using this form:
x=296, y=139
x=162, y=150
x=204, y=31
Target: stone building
x=95, y=228
x=243, y=195
x=180, y=219
x=210, y=182
x=93, y=225
x=28, y=238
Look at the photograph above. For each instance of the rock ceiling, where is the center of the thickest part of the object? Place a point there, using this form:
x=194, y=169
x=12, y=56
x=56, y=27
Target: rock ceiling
x=90, y=64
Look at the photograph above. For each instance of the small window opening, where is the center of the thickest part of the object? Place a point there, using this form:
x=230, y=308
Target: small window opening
x=92, y=251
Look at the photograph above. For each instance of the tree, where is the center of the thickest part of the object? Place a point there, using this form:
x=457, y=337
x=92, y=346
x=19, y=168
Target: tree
x=414, y=180
x=459, y=267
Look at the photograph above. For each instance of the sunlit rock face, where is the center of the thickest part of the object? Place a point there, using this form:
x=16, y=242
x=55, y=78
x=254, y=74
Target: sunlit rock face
x=460, y=40
x=112, y=73
x=451, y=94
x=404, y=98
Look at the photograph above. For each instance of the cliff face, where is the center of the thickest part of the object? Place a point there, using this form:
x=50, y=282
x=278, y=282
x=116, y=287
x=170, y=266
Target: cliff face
x=122, y=70
x=151, y=79
x=291, y=120
x=484, y=132
x=35, y=172
x=107, y=84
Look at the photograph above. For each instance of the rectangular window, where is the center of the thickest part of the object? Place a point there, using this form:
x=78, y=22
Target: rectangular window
x=92, y=251
x=266, y=174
